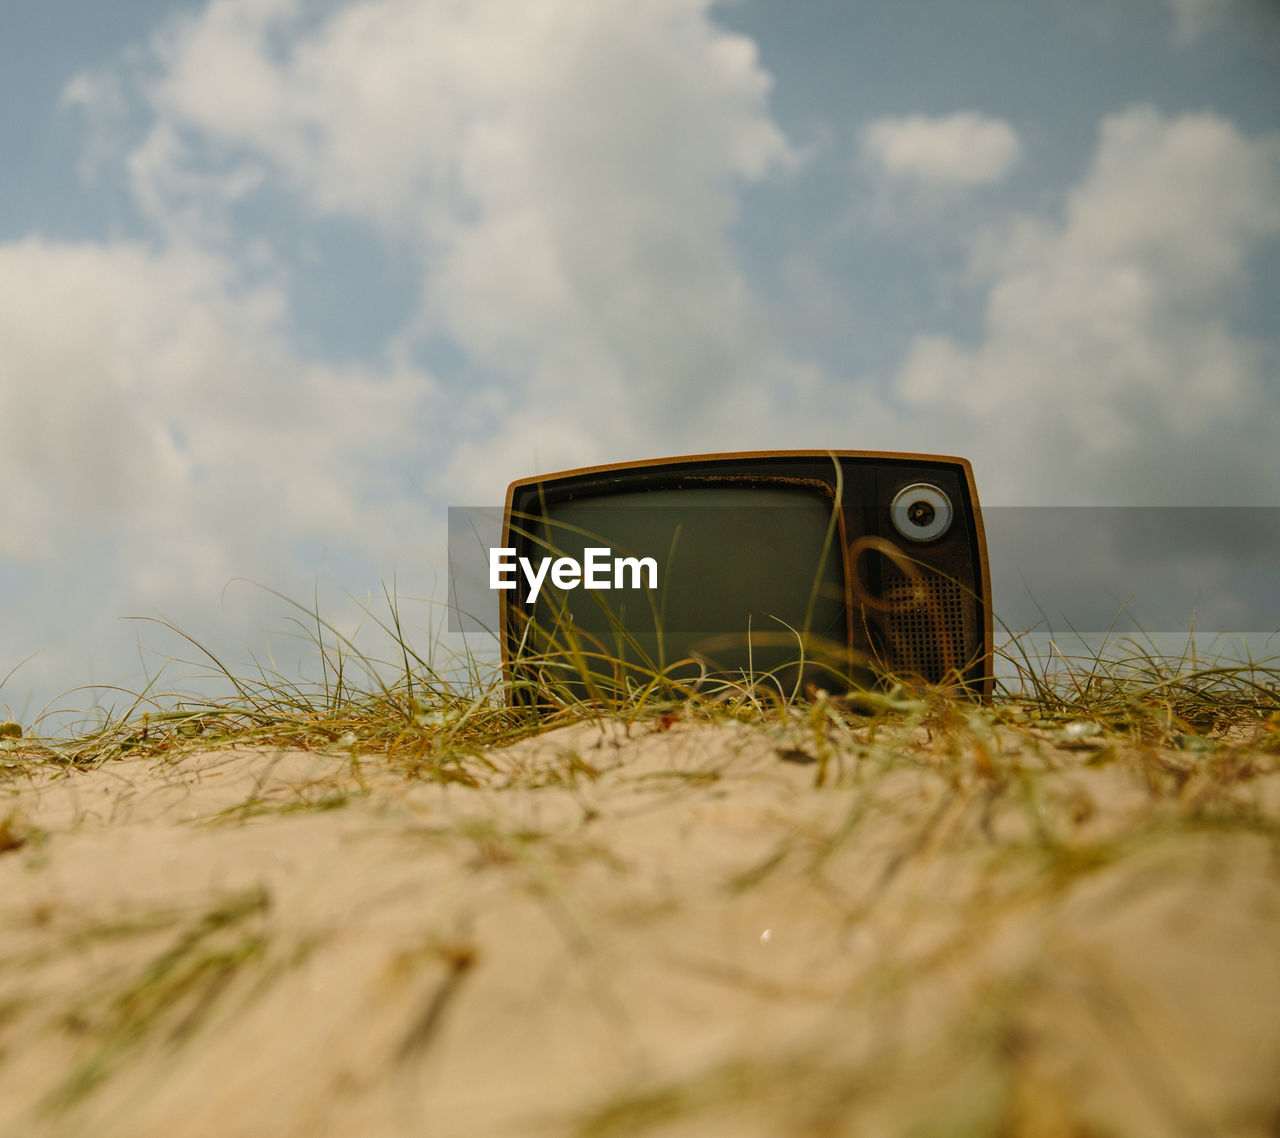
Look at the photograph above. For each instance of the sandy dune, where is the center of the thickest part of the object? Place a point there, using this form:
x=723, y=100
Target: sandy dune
x=669, y=932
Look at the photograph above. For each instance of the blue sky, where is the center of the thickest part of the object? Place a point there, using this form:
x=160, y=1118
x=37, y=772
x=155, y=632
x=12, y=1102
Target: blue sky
x=281, y=280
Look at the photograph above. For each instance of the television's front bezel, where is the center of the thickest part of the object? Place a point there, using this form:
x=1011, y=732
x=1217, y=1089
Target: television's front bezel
x=591, y=477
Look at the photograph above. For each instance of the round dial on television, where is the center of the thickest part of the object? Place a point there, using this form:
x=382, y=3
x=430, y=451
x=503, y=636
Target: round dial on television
x=921, y=512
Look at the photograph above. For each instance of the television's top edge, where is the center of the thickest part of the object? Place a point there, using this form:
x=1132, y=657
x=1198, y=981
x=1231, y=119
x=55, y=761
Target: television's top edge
x=603, y=468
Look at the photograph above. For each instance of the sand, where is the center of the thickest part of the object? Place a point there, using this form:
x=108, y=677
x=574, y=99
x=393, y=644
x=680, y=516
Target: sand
x=604, y=931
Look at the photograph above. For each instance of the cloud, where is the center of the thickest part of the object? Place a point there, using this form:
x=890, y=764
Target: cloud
x=564, y=177
x=565, y=173
x=951, y=151
x=1192, y=18
x=162, y=437
x=146, y=387
x=414, y=113
x=1106, y=364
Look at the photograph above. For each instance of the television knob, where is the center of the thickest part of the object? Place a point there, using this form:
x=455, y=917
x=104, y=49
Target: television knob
x=921, y=512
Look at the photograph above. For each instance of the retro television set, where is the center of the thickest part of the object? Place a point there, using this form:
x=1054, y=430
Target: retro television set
x=801, y=569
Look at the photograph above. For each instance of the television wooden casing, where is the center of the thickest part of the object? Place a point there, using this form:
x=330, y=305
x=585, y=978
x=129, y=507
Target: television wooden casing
x=922, y=612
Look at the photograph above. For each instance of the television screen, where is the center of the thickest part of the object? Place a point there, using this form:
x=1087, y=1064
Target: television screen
x=798, y=569
x=744, y=575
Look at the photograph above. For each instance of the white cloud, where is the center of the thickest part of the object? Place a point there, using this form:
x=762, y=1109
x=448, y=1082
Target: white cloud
x=416, y=112
x=144, y=387
x=563, y=173
x=564, y=170
x=955, y=150
x=1106, y=365
x=161, y=437
x=1192, y=18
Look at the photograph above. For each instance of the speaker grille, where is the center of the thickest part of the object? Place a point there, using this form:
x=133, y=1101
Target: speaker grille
x=925, y=621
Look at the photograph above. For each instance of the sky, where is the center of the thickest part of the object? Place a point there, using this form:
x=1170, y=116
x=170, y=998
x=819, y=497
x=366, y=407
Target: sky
x=282, y=280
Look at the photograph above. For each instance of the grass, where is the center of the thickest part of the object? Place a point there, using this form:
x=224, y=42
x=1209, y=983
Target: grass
x=436, y=721
x=168, y=998
x=1195, y=733
x=1196, y=725
x=438, y=725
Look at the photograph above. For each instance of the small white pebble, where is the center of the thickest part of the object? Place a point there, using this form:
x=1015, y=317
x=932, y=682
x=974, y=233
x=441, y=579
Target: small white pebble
x=1081, y=729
